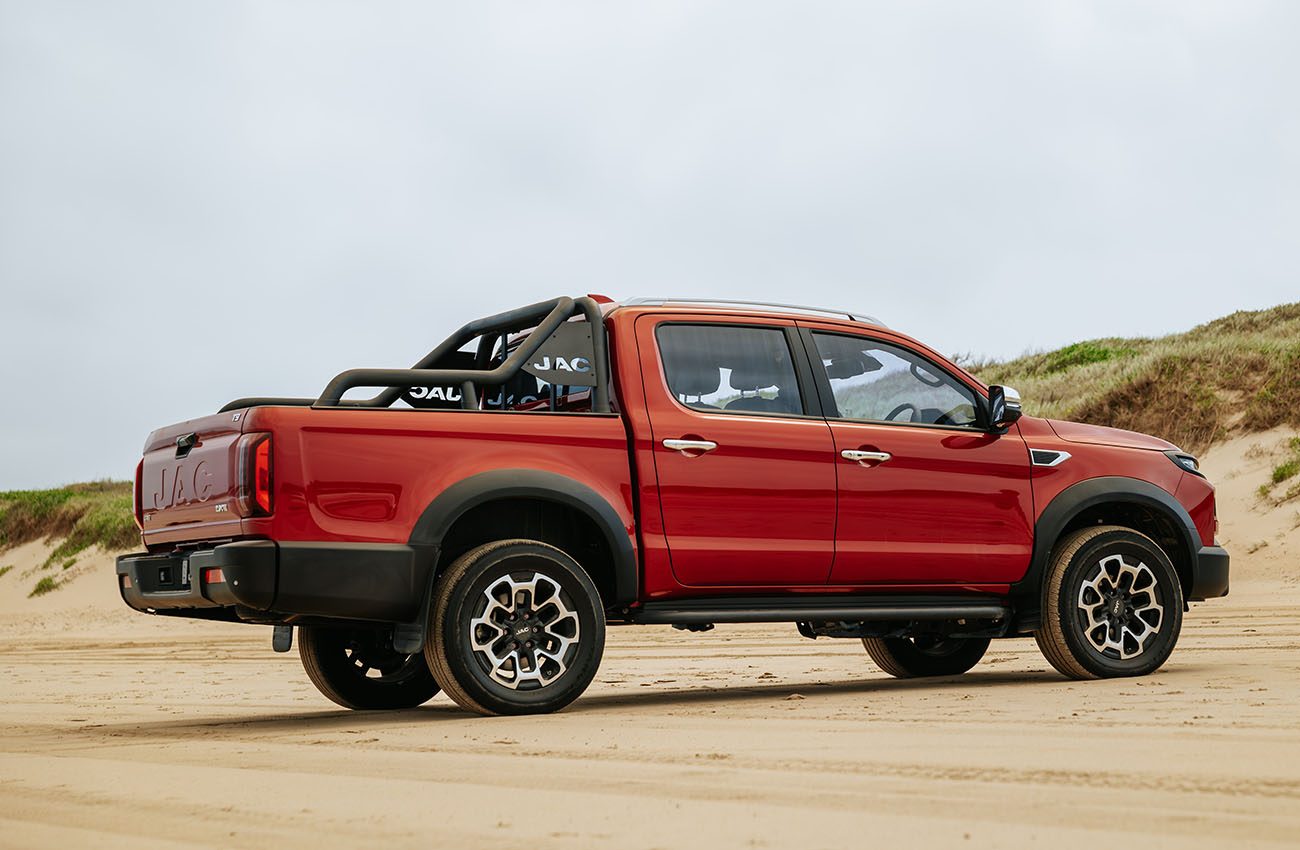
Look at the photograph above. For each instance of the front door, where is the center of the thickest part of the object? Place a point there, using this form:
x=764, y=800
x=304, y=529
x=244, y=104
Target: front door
x=926, y=493
x=746, y=473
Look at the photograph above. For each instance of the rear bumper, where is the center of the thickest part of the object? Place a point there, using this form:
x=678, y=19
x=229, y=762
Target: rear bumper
x=1210, y=575
x=359, y=581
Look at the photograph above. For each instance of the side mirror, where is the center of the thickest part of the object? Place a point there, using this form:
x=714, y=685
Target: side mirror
x=1004, y=407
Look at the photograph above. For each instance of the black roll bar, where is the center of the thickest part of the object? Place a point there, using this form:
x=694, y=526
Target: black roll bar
x=544, y=318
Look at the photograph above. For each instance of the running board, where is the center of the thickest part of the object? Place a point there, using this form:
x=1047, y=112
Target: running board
x=821, y=608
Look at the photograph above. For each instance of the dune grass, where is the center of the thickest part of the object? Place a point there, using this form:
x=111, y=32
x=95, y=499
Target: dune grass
x=79, y=516
x=44, y=586
x=1285, y=471
x=1240, y=373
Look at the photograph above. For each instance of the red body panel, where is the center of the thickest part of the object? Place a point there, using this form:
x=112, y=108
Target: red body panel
x=1092, y=461
x=367, y=475
x=759, y=509
x=1100, y=435
x=773, y=509
x=949, y=506
x=1197, y=495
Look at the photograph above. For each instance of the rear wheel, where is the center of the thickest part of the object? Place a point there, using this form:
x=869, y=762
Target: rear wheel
x=518, y=628
x=925, y=655
x=1112, y=605
x=358, y=668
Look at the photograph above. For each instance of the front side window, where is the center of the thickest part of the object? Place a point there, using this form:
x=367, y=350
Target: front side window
x=730, y=368
x=879, y=382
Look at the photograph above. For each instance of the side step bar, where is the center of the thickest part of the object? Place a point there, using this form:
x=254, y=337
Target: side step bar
x=787, y=610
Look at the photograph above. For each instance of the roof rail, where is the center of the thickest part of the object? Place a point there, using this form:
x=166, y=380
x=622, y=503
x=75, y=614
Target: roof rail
x=708, y=302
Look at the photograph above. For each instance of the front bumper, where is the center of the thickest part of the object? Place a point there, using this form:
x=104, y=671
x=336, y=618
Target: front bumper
x=1210, y=574
x=359, y=581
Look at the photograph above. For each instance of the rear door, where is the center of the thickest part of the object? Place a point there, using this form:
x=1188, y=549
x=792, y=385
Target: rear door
x=744, y=459
x=926, y=493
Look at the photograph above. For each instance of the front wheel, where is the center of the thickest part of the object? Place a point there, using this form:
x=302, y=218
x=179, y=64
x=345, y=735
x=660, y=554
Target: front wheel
x=358, y=668
x=925, y=655
x=517, y=628
x=1112, y=605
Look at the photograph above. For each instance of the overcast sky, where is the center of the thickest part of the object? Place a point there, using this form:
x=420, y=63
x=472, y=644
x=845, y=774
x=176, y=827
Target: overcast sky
x=205, y=200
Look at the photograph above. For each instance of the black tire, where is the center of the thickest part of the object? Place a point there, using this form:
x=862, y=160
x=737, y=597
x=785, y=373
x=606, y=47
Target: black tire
x=359, y=669
x=1123, y=624
x=908, y=658
x=540, y=629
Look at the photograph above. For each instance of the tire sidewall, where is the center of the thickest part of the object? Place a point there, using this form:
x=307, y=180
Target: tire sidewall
x=961, y=655
x=451, y=623
x=343, y=684
x=1168, y=593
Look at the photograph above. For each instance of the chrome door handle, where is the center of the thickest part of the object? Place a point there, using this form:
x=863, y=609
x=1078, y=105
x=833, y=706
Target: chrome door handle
x=858, y=455
x=690, y=445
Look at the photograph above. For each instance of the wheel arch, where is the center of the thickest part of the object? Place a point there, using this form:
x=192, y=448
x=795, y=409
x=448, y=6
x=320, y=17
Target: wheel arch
x=1112, y=500
x=541, y=505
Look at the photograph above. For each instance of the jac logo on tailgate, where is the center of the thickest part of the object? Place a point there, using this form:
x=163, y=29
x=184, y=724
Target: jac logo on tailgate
x=177, y=486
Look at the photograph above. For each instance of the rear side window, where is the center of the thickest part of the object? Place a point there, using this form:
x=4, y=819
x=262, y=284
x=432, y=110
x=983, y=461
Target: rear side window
x=730, y=368
x=885, y=383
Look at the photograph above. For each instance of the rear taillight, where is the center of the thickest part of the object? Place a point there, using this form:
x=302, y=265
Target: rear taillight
x=255, y=475
x=137, y=499
x=262, y=476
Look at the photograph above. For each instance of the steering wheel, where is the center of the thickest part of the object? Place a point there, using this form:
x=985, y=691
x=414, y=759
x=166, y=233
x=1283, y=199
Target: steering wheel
x=904, y=406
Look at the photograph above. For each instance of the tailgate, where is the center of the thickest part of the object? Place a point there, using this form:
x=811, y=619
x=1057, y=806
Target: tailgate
x=189, y=481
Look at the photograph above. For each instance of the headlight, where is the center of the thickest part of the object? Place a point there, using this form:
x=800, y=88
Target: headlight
x=1186, y=461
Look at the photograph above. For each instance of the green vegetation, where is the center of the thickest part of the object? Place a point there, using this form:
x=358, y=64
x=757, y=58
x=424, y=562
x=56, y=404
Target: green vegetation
x=43, y=587
x=1083, y=354
x=23, y=513
x=81, y=515
x=1240, y=373
x=1284, y=471
x=5, y=569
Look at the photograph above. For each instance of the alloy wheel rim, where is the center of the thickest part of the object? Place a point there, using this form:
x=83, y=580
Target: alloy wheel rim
x=1119, y=607
x=524, y=631
x=376, y=663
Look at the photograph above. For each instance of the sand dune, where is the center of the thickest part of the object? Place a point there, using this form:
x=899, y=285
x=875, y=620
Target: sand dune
x=1263, y=536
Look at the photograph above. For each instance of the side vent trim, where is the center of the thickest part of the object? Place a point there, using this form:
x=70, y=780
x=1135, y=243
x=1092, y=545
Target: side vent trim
x=1048, y=457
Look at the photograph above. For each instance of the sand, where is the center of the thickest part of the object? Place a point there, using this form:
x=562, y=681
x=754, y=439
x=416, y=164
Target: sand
x=120, y=730
x=1263, y=535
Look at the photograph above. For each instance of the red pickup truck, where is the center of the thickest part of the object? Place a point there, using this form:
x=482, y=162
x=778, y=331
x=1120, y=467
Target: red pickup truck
x=576, y=464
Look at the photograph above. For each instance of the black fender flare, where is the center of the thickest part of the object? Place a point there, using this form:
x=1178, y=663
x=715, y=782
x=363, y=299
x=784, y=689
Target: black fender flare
x=1111, y=489
x=452, y=503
